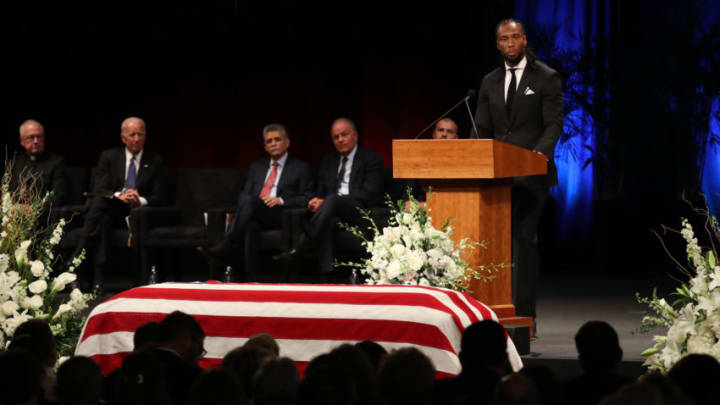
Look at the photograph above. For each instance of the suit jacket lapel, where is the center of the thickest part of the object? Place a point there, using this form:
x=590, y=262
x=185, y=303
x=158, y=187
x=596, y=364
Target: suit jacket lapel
x=283, y=177
x=120, y=169
x=144, y=167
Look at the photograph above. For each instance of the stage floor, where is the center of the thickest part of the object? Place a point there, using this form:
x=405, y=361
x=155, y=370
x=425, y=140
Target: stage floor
x=566, y=302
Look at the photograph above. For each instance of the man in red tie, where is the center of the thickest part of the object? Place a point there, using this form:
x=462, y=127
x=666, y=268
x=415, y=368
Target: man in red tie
x=281, y=181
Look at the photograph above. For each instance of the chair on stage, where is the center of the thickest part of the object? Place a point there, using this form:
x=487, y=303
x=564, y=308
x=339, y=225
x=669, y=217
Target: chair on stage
x=121, y=238
x=197, y=218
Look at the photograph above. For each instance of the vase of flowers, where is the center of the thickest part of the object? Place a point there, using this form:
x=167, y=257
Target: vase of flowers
x=411, y=251
x=29, y=287
x=693, y=318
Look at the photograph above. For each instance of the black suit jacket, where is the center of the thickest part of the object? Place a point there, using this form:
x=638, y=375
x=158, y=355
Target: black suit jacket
x=151, y=180
x=295, y=186
x=536, y=115
x=48, y=167
x=366, y=177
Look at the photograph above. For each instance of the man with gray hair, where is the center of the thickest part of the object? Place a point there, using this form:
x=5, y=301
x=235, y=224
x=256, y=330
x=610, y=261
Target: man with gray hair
x=125, y=178
x=35, y=164
x=281, y=181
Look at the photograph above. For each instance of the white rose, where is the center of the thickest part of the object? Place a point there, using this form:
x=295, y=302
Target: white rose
x=37, y=268
x=62, y=280
x=415, y=261
x=34, y=302
x=12, y=277
x=9, y=308
x=394, y=269
x=397, y=250
x=37, y=286
x=21, y=252
x=62, y=309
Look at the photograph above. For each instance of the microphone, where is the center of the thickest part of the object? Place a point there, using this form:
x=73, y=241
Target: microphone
x=470, y=94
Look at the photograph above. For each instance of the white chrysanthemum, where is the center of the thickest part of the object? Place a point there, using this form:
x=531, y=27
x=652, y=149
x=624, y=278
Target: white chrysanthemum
x=38, y=286
x=21, y=252
x=62, y=280
x=37, y=268
x=9, y=308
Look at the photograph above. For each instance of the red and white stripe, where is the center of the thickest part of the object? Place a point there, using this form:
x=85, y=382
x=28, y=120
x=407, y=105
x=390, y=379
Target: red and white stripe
x=306, y=320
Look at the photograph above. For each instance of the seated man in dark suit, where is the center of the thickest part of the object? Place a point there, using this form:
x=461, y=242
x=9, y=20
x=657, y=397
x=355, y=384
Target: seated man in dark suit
x=281, y=181
x=36, y=163
x=125, y=178
x=349, y=178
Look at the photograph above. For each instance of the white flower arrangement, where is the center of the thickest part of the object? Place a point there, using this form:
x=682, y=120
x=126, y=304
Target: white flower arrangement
x=411, y=251
x=27, y=287
x=693, y=319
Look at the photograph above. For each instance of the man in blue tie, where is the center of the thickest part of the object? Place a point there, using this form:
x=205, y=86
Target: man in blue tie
x=125, y=178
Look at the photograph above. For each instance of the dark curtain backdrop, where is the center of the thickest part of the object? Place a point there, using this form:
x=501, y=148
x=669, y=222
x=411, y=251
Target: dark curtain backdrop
x=208, y=75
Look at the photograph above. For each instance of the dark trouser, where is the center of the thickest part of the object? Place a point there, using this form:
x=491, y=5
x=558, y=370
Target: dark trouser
x=252, y=217
x=323, y=225
x=103, y=214
x=527, y=209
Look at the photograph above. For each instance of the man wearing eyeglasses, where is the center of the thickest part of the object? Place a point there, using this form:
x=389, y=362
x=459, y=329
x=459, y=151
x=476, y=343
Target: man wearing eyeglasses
x=36, y=163
x=349, y=178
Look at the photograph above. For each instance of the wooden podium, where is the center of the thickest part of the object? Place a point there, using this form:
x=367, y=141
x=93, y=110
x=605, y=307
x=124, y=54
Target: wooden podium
x=471, y=182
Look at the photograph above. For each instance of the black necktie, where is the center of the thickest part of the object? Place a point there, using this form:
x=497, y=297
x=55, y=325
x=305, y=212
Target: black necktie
x=341, y=173
x=512, y=88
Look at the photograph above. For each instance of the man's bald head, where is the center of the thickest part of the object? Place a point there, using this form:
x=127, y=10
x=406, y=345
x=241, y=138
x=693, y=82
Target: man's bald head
x=32, y=137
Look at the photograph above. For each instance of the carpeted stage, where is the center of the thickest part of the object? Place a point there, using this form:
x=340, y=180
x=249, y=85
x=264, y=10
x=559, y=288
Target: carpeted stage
x=565, y=302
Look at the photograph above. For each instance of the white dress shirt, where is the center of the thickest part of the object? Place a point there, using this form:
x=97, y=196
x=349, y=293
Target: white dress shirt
x=344, y=188
x=519, y=69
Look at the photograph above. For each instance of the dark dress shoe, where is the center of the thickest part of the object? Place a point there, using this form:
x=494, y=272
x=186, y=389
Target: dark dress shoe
x=215, y=252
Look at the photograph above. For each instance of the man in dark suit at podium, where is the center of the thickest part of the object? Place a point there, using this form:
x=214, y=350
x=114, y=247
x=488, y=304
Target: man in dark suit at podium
x=281, y=181
x=521, y=103
x=125, y=178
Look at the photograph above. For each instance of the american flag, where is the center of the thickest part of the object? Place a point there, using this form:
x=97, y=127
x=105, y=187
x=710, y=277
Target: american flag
x=306, y=320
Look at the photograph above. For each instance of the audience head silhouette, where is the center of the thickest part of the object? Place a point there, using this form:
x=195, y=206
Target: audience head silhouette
x=183, y=334
x=598, y=347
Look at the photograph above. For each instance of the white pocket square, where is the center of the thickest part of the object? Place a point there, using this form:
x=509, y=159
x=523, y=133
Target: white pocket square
x=528, y=91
